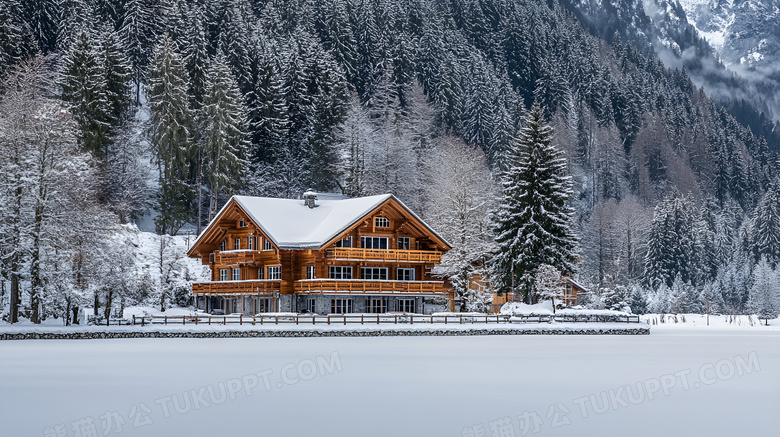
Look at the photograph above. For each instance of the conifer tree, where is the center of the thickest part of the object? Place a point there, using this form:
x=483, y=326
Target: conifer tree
x=171, y=126
x=84, y=88
x=138, y=36
x=766, y=226
x=118, y=75
x=224, y=138
x=534, y=219
x=764, y=300
x=16, y=42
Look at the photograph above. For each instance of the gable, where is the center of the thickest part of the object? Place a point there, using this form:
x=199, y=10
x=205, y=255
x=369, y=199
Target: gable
x=400, y=219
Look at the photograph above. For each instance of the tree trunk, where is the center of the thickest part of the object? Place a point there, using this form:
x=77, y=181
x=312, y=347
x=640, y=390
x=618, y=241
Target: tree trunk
x=109, y=303
x=13, y=316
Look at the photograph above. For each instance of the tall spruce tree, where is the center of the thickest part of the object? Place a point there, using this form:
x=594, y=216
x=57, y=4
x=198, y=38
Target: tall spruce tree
x=171, y=126
x=534, y=218
x=84, y=88
x=766, y=226
x=224, y=136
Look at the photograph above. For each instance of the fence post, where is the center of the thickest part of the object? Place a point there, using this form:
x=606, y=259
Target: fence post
x=328, y=319
x=361, y=319
x=224, y=320
x=196, y=319
x=142, y=321
x=166, y=319
x=411, y=319
x=277, y=320
x=240, y=320
x=133, y=319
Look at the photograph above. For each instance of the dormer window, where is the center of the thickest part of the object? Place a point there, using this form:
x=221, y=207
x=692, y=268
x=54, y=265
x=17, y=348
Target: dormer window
x=222, y=246
x=267, y=244
x=403, y=243
x=381, y=222
x=242, y=224
x=237, y=244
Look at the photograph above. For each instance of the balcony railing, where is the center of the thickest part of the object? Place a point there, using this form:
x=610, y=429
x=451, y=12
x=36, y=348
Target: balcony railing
x=359, y=286
x=236, y=287
x=238, y=257
x=421, y=256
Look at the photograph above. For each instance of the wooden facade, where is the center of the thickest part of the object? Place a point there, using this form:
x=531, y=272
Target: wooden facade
x=378, y=256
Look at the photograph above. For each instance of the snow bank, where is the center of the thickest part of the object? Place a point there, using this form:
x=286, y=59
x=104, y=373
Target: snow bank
x=701, y=321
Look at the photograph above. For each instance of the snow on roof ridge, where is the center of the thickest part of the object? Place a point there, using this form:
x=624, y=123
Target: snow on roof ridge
x=295, y=226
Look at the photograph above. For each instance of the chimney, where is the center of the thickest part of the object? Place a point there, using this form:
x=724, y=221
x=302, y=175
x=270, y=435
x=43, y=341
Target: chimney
x=310, y=198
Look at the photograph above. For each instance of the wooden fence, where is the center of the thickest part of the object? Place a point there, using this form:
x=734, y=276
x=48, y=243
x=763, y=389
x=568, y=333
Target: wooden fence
x=377, y=319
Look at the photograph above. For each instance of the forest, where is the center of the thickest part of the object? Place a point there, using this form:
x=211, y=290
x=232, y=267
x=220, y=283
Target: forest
x=116, y=110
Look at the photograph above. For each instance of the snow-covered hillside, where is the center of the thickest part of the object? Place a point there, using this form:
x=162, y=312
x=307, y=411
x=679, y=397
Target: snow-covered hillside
x=743, y=32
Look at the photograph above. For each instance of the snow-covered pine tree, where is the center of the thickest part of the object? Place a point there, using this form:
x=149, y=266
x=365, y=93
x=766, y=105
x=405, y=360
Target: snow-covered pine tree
x=196, y=56
x=764, y=300
x=84, y=88
x=766, y=226
x=533, y=221
x=171, y=126
x=16, y=41
x=43, y=18
x=268, y=108
x=224, y=137
x=118, y=75
x=671, y=242
x=138, y=36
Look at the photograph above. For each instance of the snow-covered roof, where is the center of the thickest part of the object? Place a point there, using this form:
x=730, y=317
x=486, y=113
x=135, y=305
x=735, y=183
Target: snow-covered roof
x=290, y=224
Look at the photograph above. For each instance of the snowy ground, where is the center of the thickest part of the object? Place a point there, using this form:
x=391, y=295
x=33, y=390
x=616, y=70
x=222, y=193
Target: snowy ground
x=679, y=382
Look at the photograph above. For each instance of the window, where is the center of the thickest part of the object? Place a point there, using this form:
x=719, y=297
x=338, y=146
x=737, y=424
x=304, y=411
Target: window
x=405, y=275
x=373, y=242
x=274, y=272
x=344, y=242
x=264, y=306
x=260, y=273
x=376, y=305
x=237, y=244
x=250, y=243
x=222, y=246
x=403, y=243
x=236, y=275
x=267, y=244
x=340, y=306
x=223, y=275
x=339, y=272
x=310, y=272
x=241, y=224
x=381, y=222
x=373, y=273
x=406, y=305
x=311, y=305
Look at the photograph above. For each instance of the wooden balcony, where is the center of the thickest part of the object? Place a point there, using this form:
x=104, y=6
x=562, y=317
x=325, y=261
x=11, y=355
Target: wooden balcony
x=359, y=286
x=236, y=287
x=240, y=257
x=390, y=255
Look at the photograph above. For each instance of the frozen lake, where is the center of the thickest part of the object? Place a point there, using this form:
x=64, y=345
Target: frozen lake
x=672, y=382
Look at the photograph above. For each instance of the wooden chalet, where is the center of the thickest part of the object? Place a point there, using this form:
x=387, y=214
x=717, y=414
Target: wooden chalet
x=326, y=256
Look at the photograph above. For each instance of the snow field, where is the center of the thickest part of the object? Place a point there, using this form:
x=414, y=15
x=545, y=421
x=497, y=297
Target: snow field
x=681, y=382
